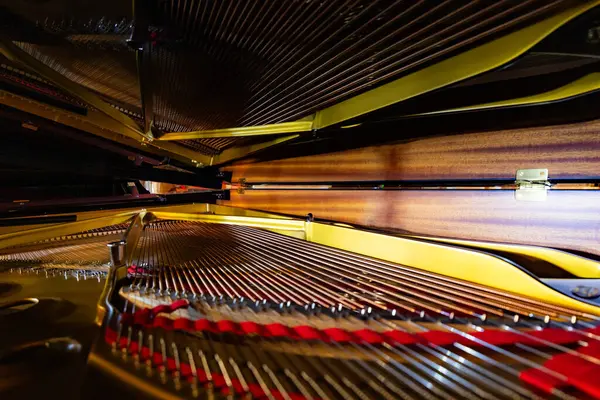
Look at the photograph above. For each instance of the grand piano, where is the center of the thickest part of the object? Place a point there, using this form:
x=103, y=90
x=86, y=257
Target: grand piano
x=300, y=199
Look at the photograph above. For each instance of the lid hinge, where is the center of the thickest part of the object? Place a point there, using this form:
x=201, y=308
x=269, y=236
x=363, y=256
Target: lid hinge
x=532, y=184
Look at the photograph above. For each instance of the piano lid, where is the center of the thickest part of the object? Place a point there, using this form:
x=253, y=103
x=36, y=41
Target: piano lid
x=185, y=78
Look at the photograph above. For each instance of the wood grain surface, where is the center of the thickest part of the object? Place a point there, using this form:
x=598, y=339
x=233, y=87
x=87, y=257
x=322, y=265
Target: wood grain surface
x=568, y=151
x=568, y=219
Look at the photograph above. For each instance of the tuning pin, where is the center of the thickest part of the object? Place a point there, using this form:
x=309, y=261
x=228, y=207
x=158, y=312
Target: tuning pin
x=314, y=308
x=265, y=305
x=366, y=312
x=285, y=306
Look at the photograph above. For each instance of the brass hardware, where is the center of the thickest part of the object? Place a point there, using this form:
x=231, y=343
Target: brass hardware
x=241, y=189
x=117, y=253
x=121, y=253
x=532, y=184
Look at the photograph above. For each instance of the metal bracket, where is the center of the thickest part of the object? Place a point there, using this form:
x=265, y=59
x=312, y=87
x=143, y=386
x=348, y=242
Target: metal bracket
x=532, y=184
x=121, y=253
x=241, y=189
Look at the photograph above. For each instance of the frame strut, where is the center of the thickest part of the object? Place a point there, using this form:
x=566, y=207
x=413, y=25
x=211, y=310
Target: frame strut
x=259, y=130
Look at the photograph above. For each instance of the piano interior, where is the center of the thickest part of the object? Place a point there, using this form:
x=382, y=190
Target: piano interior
x=300, y=199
